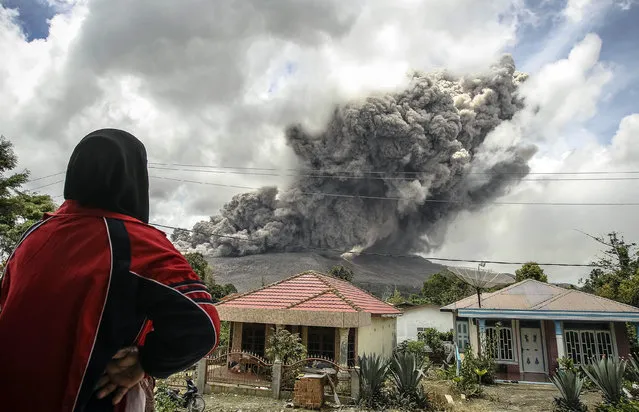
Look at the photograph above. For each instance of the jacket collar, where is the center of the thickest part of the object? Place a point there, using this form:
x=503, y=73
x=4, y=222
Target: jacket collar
x=73, y=208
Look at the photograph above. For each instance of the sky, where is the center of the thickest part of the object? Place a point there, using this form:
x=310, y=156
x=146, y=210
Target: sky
x=215, y=83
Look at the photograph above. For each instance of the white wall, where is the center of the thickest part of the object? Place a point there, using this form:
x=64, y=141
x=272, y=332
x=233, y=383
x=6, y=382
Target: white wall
x=377, y=338
x=422, y=317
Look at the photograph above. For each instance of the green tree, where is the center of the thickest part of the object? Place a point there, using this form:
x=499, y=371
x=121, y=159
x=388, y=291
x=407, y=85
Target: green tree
x=396, y=298
x=200, y=265
x=444, y=288
x=616, y=275
x=18, y=209
x=285, y=346
x=220, y=291
x=530, y=270
x=341, y=272
x=202, y=268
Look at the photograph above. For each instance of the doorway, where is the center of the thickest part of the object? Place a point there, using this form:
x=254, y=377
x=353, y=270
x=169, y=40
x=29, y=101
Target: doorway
x=532, y=355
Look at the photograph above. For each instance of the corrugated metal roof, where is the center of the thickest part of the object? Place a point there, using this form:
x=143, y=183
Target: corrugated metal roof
x=534, y=295
x=312, y=291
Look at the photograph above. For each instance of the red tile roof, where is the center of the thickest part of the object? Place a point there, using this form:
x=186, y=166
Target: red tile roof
x=312, y=291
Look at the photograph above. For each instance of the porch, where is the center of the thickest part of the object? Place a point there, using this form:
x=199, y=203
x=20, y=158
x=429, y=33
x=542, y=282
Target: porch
x=528, y=350
x=338, y=345
x=532, y=324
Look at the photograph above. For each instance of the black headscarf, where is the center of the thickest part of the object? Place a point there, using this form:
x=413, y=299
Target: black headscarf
x=108, y=170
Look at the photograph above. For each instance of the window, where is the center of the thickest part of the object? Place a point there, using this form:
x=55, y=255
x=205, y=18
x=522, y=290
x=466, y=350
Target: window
x=499, y=343
x=253, y=338
x=420, y=330
x=352, y=359
x=584, y=345
x=462, y=334
x=321, y=342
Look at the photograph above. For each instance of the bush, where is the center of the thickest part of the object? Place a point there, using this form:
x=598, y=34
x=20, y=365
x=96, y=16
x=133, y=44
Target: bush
x=447, y=336
x=568, y=364
x=433, y=339
x=163, y=401
x=623, y=406
x=475, y=371
x=416, y=348
x=285, y=346
x=341, y=272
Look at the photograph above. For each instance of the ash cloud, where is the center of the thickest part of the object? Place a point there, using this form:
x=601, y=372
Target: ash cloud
x=425, y=147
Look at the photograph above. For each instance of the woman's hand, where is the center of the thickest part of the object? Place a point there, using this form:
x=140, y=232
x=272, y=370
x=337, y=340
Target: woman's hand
x=122, y=373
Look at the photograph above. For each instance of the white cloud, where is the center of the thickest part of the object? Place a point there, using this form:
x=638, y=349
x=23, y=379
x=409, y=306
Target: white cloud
x=579, y=10
x=567, y=92
x=191, y=79
x=576, y=9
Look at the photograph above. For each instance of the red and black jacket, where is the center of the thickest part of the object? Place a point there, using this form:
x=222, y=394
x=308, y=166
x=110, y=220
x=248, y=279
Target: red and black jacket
x=82, y=284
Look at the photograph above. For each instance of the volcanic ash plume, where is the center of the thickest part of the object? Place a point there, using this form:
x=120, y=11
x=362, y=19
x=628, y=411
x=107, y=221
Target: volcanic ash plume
x=421, y=147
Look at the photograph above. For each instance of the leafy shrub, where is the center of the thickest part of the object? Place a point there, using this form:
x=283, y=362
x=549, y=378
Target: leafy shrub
x=433, y=339
x=373, y=371
x=624, y=406
x=475, y=371
x=568, y=364
x=163, y=401
x=416, y=348
x=569, y=384
x=481, y=362
x=608, y=374
x=407, y=375
x=342, y=272
x=446, y=336
x=285, y=346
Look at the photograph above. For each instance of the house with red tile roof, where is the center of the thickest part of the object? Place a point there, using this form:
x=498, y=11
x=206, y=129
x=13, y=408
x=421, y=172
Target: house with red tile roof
x=531, y=324
x=335, y=319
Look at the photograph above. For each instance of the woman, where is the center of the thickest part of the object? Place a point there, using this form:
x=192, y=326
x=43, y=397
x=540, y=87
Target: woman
x=88, y=281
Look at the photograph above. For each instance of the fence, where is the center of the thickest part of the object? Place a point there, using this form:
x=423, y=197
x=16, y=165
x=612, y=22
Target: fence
x=247, y=371
x=240, y=368
x=339, y=377
x=178, y=380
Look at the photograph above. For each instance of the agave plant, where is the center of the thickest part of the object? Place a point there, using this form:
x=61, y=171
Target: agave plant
x=633, y=368
x=373, y=371
x=407, y=377
x=569, y=384
x=608, y=375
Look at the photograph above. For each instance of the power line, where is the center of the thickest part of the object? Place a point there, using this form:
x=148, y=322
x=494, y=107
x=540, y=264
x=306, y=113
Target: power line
x=340, y=195
x=406, y=175
x=601, y=172
x=44, y=177
x=47, y=185
x=441, y=259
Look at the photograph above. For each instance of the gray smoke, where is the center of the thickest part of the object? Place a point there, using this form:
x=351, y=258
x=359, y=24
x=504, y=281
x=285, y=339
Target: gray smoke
x=421, y=146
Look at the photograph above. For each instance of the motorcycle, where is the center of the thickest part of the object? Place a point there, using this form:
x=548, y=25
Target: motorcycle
x=191, y=400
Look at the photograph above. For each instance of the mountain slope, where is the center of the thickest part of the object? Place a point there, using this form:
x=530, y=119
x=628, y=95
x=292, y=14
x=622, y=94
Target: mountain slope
x=377, y=274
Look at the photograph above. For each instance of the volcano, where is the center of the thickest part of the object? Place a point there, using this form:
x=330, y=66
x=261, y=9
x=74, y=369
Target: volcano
x=379, y=275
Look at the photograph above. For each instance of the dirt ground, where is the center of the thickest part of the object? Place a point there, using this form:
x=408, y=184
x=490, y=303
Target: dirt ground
x=497, y=398
x=519, y=397
x=227, y=402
